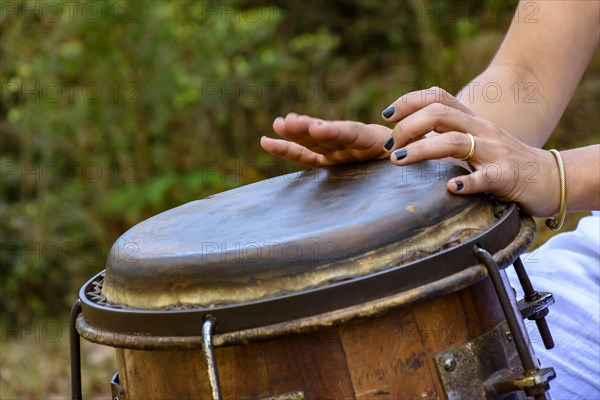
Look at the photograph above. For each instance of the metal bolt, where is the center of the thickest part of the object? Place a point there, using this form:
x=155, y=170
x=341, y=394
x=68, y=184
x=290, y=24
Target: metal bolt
x=450, y=364
x=545, y=332
x=530, y=294
x=508, y=335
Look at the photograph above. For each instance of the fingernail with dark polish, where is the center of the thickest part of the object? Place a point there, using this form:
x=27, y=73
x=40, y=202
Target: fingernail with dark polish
x=389, y=144
x=400, y=154
x=459, y=185
x=388, y=112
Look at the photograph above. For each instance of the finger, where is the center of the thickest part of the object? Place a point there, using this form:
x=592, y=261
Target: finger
x=414, y=101
x=317, y=134
x=279, y=125
x=435, y=117
x=450, y=144
x=349, y=134
x=292, y=127
x=295, y=127
x=469, y=184
x=293, y=152
x=296, y=124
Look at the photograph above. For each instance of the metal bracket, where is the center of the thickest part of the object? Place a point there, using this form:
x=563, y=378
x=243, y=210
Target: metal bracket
x=530, y=308
x=465, y=368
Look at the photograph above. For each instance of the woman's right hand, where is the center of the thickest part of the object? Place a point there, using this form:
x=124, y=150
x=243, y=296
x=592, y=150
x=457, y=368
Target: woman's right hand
x=316, y=142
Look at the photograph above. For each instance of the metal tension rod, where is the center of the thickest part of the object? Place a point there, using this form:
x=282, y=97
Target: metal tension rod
x=208, y=328
x=75, y=352
x=511, y=319
x=535, y=380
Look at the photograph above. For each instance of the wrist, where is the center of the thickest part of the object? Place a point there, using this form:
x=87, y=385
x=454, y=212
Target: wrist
x=547, y=197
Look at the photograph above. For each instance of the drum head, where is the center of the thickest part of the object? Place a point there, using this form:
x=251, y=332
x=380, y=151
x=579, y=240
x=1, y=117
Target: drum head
x=299, y=232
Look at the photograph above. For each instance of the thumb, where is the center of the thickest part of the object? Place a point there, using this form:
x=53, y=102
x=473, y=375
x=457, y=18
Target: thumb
x=469, y=184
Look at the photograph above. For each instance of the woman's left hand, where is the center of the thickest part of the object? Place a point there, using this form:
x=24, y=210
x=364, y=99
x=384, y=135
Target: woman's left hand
x=508, y=168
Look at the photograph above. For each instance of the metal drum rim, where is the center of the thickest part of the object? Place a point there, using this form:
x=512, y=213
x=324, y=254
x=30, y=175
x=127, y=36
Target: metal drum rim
x=506, y=239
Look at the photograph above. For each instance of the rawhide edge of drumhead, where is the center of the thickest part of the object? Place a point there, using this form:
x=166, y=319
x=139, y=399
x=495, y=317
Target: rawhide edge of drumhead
x=292, y=233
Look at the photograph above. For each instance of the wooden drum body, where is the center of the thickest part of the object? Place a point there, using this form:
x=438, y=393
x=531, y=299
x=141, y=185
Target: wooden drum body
x=383, y=357
x=349, y=282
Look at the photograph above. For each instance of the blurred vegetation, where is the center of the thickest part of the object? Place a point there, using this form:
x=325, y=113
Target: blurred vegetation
x=113, y=111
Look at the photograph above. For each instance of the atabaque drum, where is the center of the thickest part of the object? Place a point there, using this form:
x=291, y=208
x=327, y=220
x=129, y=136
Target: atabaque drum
x=358, y=281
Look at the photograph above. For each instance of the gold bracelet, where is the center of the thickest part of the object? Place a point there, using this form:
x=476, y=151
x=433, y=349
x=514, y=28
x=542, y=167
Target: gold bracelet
x=552, y=222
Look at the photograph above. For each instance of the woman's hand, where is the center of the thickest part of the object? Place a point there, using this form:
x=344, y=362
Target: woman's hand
x=503, y=165
x=508, y=168
x=316, y=142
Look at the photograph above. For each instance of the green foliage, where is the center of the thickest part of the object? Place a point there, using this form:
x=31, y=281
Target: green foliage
x=117, y=111
x=113, y=111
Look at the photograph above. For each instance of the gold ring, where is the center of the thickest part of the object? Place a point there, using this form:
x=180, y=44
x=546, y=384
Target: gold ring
x=471, y=150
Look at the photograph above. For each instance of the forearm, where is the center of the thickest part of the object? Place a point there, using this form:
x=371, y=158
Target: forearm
x=513, y=100
x=531, y=79
x=582, y=170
